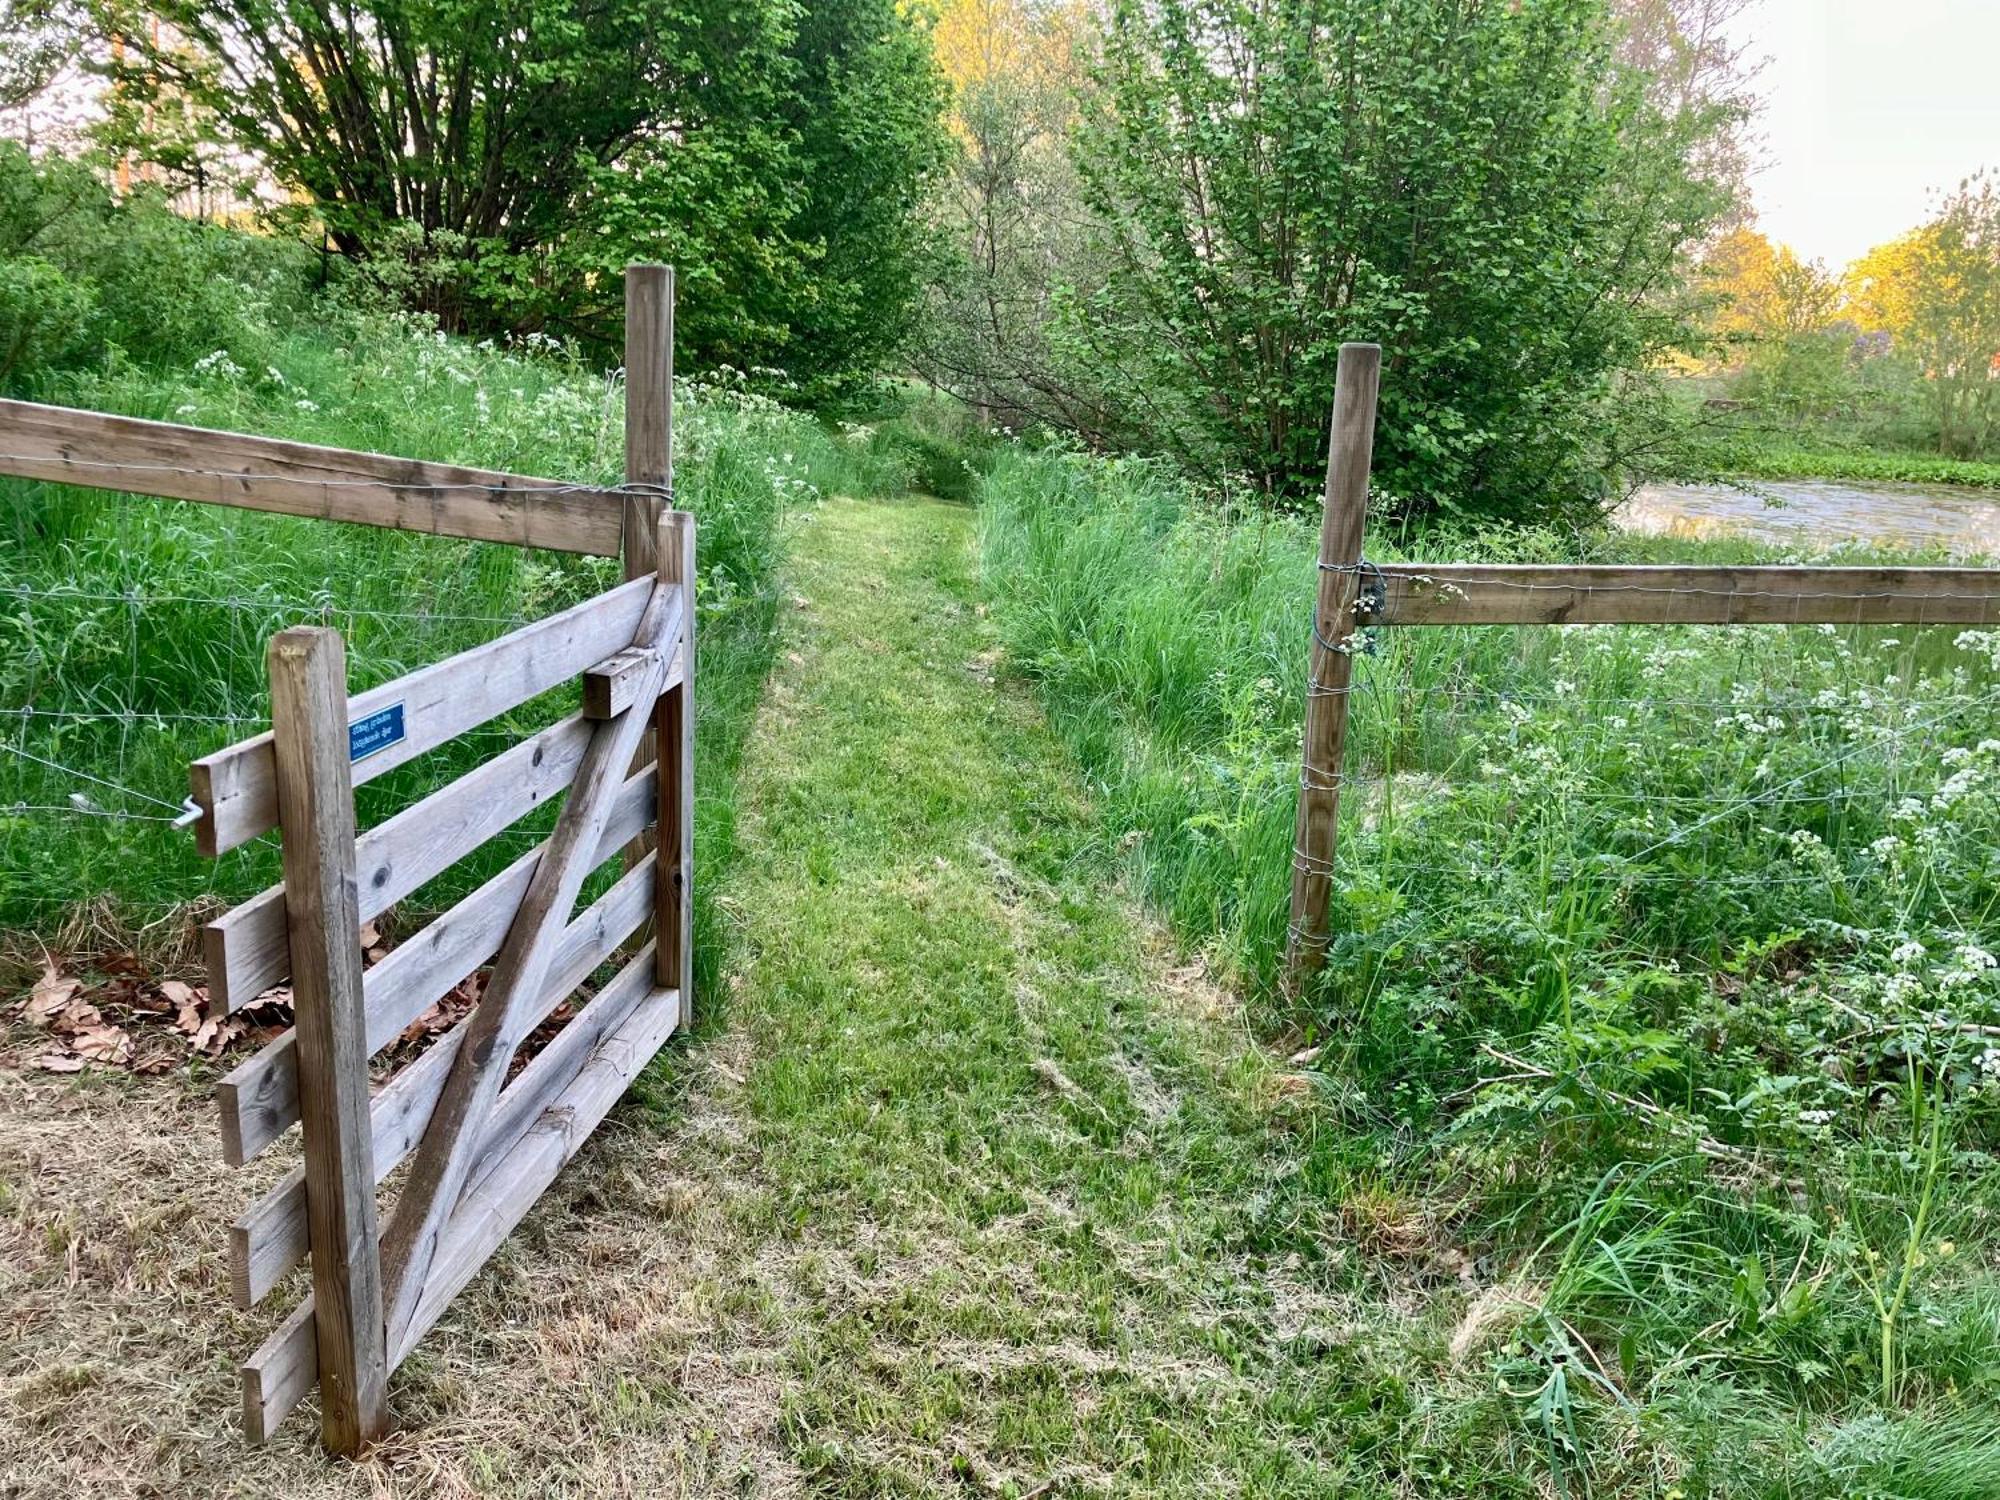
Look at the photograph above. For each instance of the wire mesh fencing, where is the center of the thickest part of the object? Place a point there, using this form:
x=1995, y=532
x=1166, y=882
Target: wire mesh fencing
x=1681, y=789
x=132, y=635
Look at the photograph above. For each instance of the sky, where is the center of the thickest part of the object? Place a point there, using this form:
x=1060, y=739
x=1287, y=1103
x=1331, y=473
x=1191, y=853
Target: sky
x=1871, y=106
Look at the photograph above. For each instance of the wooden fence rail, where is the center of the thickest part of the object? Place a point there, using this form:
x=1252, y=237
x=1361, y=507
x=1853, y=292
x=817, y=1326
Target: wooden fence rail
x=137, y=457
x=1617, y=594
x=1354, y=594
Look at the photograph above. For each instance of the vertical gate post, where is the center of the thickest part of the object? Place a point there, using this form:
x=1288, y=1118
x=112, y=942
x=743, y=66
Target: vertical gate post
x=649, y=408
x=308, y=668
x=1350, y=452
x=649, y=461
x=673, y=721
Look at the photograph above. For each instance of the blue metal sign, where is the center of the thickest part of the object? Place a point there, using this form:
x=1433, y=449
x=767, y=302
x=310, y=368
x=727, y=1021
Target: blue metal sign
x=377, y=731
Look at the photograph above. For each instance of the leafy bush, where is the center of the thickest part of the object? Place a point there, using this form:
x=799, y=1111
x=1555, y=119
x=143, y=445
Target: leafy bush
x=90, y=280
x=44, y=317
x=1493, y=193
x=778, y=154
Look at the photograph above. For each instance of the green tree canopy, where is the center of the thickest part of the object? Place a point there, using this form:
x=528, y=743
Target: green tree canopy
x=494, y=161
x=1954, y=322
x=1488, y=190
x=798, y=224
x=38, y=38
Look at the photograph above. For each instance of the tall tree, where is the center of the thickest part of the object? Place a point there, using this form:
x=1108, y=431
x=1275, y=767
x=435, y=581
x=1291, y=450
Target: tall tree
x=1954, y=314
x=1012, y=205
x=1700, y=80
x=1778, y=325
x=473, y=120
x=1764, y=291
x=797, y=223
x=1483, y=188
x=1879, y=289
x=495, y=161
x=1934, y=294
x=867, y=111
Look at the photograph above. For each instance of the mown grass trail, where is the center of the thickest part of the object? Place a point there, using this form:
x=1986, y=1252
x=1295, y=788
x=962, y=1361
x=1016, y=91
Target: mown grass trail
x=1019, y=1161
x=967, y=1186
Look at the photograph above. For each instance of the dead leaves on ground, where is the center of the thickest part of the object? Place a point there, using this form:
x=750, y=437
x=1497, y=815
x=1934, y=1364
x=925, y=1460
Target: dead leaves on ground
x=113, y=1013
x=446, y=1013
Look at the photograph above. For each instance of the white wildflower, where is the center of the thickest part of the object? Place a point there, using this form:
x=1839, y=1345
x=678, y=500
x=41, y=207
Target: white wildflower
x=1975, y=958
x=218, y=363
x=1901, y=988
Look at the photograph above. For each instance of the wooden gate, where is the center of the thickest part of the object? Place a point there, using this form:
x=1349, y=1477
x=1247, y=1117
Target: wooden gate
x=481, y=1146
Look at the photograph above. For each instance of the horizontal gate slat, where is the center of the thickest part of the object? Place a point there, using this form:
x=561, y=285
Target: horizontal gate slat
x=284, y=1368
x=259, y=1099
x=269, y=1237
x=237, y=788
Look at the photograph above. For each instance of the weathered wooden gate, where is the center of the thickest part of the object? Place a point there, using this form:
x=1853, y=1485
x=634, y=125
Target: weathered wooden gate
x=481, y=1147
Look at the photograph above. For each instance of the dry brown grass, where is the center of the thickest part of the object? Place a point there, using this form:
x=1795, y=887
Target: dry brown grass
x=621, y=1343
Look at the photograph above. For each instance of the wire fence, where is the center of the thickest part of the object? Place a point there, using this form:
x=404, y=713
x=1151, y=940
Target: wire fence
x=132, y=636
x=1703, y=780
x=1647, y=757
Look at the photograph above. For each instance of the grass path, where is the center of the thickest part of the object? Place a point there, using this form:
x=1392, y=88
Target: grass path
x=1016, y=1161
x=965, y=1189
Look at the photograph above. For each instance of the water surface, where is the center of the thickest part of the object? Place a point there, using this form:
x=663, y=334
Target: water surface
x=1819, y=513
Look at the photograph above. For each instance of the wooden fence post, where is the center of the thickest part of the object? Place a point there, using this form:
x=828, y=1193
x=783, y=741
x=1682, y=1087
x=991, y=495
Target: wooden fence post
x=673, y=925
x=1349, y=454
x=649, y=452
x=322, y=908
x=649, y=408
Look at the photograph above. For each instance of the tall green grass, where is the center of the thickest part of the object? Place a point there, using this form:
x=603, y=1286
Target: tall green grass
x=1661, y=981
x=132, y=630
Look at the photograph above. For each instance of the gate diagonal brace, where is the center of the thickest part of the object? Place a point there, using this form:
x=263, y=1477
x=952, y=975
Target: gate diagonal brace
x=457, y=1132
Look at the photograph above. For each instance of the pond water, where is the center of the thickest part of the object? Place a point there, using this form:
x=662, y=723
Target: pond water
x=1820, y=513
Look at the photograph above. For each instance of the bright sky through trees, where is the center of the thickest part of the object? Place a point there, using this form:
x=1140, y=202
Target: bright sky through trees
x=1874, y=106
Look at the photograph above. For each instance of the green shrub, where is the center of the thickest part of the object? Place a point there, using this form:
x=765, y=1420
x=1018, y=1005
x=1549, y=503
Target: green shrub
x=88, y=280
x=44, y=319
